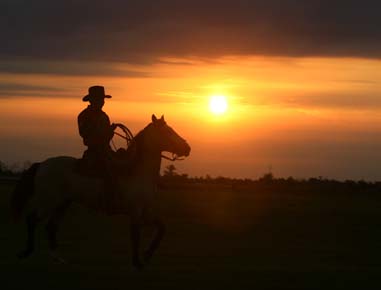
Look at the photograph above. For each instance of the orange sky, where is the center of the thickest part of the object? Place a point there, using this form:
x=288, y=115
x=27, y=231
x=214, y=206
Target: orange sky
x=301, y=116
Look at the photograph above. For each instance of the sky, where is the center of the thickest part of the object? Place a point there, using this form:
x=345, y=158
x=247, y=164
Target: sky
x=302, y=79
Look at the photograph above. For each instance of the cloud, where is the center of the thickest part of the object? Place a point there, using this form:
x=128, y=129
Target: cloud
x=144, y=31
x=11, y=89
x=347, y=101
x=71, y=68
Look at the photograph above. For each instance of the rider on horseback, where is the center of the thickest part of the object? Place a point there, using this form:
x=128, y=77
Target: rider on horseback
x=95, y=129
x=94, y=125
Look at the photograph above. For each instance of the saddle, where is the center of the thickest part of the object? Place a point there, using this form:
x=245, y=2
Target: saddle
x=88, y=168
x=120, y=161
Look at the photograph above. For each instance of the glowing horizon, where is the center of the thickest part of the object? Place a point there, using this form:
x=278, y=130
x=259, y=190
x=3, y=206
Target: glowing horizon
x=275, y=105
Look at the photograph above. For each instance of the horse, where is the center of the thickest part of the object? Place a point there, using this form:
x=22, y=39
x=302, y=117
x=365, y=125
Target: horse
x=47, y=189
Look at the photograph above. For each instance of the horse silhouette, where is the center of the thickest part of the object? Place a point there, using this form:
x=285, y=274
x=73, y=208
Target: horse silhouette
x=47, y=189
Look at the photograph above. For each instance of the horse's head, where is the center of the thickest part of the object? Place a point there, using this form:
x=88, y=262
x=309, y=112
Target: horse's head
x=166, y=139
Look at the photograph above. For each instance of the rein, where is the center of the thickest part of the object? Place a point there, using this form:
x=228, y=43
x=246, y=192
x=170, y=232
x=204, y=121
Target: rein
x=128, y=136
x=173, y=158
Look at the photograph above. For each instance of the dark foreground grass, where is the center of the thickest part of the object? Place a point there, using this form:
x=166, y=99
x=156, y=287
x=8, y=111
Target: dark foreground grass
x=216, y=239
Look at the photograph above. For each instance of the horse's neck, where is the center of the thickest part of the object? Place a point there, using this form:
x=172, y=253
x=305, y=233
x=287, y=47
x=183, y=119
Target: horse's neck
x=148, y=158
x=149, y=165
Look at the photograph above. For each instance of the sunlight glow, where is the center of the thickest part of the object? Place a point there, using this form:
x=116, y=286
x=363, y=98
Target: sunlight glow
x=218, y=105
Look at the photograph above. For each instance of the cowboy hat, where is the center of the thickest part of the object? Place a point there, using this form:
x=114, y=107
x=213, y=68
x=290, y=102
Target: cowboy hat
x=95, y=92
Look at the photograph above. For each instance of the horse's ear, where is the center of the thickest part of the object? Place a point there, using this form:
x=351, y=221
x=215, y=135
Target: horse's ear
x=154, y=119
x=162, y=117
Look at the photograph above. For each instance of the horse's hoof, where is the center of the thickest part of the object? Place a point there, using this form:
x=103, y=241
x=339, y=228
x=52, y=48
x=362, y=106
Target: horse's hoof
x=24, y=254
x=56, y=257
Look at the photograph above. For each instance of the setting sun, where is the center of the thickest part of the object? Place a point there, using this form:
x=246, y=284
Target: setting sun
x=218, y=105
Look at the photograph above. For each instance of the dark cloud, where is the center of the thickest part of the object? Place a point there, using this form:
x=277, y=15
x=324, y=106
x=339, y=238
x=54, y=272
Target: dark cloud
x=68, y=68
x=141, y=31
x=11, y=89
x=328, y=100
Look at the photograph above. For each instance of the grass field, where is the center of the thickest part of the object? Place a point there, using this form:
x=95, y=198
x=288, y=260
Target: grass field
x=216, y=239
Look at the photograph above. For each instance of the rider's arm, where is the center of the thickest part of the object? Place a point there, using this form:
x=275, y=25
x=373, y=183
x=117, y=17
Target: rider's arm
x=89, y=129
x=108, y=127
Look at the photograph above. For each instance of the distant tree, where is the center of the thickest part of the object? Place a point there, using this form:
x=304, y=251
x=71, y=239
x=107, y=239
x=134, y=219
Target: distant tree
x=14, y=168
x=184, y=176
x=291, y=179
x=170, y=170
x=267, y=178
x=5, y=169
x=26, y=165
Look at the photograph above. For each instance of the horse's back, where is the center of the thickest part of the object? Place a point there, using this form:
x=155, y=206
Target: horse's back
x=57, y=181
x=59, y=162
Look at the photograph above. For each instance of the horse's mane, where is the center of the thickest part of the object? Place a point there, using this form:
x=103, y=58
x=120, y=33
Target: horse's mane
x=134, y=153
x=138, y=139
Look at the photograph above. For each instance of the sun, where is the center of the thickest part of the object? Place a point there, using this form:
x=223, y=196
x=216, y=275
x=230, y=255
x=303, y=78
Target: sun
x=218, y=105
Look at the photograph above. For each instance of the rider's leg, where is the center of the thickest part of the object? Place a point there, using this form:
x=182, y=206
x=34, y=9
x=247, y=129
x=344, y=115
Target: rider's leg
x=110, y=180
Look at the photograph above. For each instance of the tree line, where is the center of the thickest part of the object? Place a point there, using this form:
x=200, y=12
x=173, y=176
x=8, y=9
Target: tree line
x=268, y=182
x=170, y=178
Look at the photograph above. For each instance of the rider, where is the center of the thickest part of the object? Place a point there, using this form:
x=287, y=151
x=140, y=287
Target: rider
x=95, y=129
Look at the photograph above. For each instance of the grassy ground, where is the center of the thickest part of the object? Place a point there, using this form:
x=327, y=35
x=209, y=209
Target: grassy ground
x=216, y=239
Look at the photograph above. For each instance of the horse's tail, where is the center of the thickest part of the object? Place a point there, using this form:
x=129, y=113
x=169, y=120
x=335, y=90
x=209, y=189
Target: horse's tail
x=23, y=191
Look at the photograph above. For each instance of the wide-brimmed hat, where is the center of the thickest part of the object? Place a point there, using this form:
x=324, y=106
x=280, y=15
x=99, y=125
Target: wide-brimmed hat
x=96, y=92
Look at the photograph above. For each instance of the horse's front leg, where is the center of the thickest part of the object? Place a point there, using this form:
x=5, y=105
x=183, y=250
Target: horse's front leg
x=135, y=229
x=160, y=231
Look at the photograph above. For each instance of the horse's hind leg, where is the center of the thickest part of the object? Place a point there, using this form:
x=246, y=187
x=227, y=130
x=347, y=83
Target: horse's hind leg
x=31, y=222
x=135, y=229
x=52, y=228
x=160, y=231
